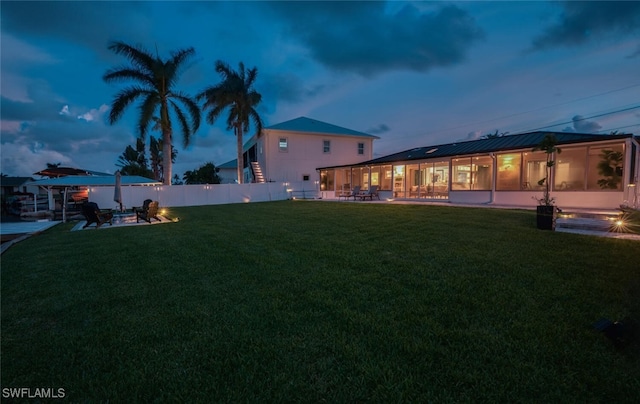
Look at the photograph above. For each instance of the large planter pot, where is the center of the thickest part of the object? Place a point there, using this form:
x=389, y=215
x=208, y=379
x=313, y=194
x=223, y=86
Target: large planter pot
x=546, y=217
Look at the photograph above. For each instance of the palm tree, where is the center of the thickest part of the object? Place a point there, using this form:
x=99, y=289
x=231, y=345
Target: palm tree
x=236, y=93
x=154, y=81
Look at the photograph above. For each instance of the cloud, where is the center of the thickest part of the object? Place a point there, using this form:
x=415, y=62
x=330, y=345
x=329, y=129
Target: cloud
x=286, y=87
x=94, y=114
x=475, y=135
x=26, y=159
x=634, y=54
x=378, y=129
x=363, y=37
x=88, y=23
x=64, y=111
x=581, y=125
x=584, y=21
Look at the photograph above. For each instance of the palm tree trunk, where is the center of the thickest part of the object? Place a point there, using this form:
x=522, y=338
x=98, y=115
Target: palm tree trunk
x=166, y=157
x=240, y=156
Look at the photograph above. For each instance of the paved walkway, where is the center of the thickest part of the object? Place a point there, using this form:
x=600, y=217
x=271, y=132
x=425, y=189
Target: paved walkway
x=14, y=232
x=26, y=227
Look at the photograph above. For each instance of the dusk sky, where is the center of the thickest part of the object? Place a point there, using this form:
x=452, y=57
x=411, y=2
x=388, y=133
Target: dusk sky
x=413, y=73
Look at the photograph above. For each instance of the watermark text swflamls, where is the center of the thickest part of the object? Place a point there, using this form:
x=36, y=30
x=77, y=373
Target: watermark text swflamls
x=28, y=392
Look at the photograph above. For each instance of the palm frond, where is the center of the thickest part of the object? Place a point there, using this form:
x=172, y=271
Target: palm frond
x=147, y=109
x=257, y=122
x=186, y=131
x=137, y=55
x=223, y=69
x=192, y=107
x=178, y=58
x=128, y=73
x=251, y=77
x=122, y=100
x=214, y=113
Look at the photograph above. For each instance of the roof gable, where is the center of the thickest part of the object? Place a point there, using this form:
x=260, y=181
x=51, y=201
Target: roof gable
x=308, y=125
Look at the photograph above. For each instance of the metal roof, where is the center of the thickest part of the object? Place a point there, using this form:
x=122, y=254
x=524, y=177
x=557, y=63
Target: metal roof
x=498, y=144
x=93, y=181
x=229, y=164
x=308, y=125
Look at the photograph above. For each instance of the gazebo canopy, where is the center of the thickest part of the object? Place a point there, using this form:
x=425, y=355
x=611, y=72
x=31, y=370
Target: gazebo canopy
x=93, y=181
x=55, y=172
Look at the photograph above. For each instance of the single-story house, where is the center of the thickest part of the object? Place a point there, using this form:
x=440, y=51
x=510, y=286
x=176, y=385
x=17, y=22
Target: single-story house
x=591, y=171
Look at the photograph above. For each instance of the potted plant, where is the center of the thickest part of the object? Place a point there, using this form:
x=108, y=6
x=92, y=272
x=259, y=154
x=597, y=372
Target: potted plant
x=546, y=210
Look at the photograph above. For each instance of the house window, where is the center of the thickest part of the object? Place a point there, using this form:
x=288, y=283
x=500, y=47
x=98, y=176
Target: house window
x=570, y=169
x=326, y=146
x=534, y=170
x=305, y=177
x=461, y=179
x=361, y=148
x=605, y=168
x=283, y=144
x=508, y=177
x=481, y=173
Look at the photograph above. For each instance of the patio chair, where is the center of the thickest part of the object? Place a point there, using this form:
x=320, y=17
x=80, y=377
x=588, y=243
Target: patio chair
x=370, y=193
x=93, y=214
x=148, y=211
x=353, y=193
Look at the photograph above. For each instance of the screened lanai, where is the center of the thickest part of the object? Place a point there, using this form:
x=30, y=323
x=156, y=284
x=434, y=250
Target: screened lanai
x=591, y=171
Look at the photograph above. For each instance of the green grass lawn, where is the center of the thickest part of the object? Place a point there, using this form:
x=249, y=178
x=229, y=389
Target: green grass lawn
x=302, y=301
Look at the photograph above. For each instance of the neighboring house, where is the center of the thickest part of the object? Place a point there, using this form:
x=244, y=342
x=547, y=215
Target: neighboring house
x=592, y=171
x=16, y=195
x=228, y=172
x=290, y=152
x=13, y=185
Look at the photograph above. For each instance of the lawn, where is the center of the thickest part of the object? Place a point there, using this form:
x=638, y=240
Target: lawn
x=307, y=301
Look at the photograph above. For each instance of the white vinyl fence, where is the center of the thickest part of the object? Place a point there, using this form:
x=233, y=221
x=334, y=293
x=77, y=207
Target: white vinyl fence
x=192, y=195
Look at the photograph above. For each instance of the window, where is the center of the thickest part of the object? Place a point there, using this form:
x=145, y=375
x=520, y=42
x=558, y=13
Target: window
x=481, y=172
x=605, y=170
x=305, y=177
x=283, y=144
x=534, y=169
x=570, y=169
x=413, y=181
x=361, y=148
x=461, y=179
x=327, y=180
x=398, y=181
x=508, y=178
x=356, y=177
x=326, y=146
x=385, y=175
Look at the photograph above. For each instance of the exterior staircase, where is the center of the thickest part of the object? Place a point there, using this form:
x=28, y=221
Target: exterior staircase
x=257, y=172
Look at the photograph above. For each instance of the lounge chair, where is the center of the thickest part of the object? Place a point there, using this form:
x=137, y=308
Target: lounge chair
x=370, y=193
x=148, y=211
x=346, y=194
x=94, y=214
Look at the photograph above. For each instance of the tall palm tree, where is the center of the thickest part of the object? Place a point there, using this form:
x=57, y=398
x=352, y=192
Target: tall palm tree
x=154, y=82
x=236, y=93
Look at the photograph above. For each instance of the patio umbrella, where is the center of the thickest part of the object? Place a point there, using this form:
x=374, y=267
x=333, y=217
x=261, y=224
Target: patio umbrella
x=117, y=193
